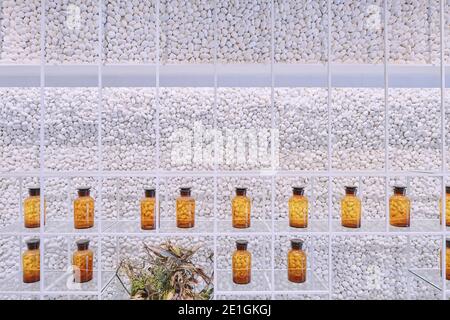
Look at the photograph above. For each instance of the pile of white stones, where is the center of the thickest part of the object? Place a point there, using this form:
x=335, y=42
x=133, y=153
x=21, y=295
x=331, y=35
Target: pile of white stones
x=187, y=31
x=128, y=129
x=71, y=33
x=20, y=25
x=19, y=147
x=376, y=267
x=129, y=132
x=369, y=267
x=129, y=31
x=185, y=115
x=303, y=144
x=242, y=31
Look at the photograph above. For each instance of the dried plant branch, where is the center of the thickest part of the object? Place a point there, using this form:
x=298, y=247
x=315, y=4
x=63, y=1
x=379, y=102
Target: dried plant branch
x=167, y=272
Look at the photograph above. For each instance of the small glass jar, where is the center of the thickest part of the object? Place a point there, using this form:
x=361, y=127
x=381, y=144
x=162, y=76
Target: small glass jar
x=31, y=262
x=351, y=209
x=148, y=210
x=185, y=209
x=83, y=262
x=298, y=209
x=242, y=263
x=241, y=209
x=297, y=262
x=83, y=209
x=399, y=208
x=32, y=208
x=447, y=207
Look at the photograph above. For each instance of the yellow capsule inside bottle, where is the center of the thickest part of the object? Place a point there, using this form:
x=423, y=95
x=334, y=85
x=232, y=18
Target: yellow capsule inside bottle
x=399, y=208
x=242, y=263
x=83, y=209
x=298, y=209
x=31, y=262
x=241, y=209
x=32, y=208
x=297, y=262
x=83, y=262
x=148, y=210
x=351, y=209
x=185, y=209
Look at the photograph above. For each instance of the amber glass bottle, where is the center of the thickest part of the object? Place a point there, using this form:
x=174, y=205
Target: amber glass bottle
x=32, y=208
x=241, y=208
x=185, y=207
x=297, y=262
x=83, y=262
x=242, y=263
x=31, y=262
x=351, y=209
x=399, y=208
x=447, y=207
x=83, y=209
x=298, y=209
x=148, y=210
x=447, y=259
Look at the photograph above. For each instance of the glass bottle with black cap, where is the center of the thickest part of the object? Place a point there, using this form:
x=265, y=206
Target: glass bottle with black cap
x=298, y=208
x=83, y=209
x=297, y=262
x=241, y=209
x=31, y=262
x=399, y=208
x=83, y=262
x=185, y=209
x=32, y=208
x=351, y=209
x=242, y=263
x=148, y=210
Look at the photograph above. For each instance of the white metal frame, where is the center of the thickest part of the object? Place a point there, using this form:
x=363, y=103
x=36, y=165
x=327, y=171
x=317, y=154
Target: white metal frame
x=159, y=173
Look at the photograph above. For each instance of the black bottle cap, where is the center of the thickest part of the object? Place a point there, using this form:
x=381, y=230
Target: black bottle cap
x=297, y=244
x=34, y=191
x=33, y=244
x=447, y=189
x=447, y=243
x=351, y=190
x=241, y=191
x=150, y=193
x=298, y=191
x=84, y=191
x=241, y=244
x=400, y=190
x=82, y=244
x=185, y=192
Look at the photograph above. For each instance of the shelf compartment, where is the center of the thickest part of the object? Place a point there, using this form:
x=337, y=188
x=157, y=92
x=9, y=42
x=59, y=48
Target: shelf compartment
x=282, y=226
x=256, y=226
x=419, y=225
x=366, y=226
x=432, y=277
x=14, y=283
x=260, y=282
x=312, y=283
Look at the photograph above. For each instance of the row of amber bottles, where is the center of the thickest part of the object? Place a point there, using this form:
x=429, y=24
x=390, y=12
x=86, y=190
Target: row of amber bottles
x=82, y=262
x=399, y=208
x=83, y=209
x=84, y=205
x=242, y=263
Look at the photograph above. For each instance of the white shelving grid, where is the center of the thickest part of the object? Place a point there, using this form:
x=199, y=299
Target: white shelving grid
x=271, y=75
